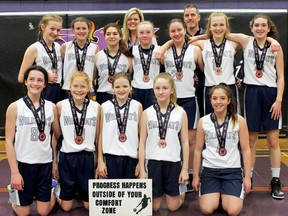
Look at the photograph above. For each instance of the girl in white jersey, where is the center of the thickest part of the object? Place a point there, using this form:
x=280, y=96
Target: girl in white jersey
x=113, y=59
x=79, y=54
x=217, y=155
x=218, y=57
x=145, y=66
x=29, y=121
x=46, y=53
x=79, y=119
x=160, y=147
x=264, y=77
x=119, y=133
x=180, y=61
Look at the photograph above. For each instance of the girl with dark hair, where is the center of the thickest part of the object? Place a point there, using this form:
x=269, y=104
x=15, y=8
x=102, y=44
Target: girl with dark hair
x=29, y=121
x=113, y=59
x=217, y=156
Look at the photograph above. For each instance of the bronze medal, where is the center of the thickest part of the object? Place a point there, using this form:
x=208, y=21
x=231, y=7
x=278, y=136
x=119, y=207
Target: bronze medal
x=79, y=140
x=218, y=70
x=222, y=152
x=42, y=136
x=110, y=79
x=259, y=73
x=179, y=75
x=162, y=143
x=122, y=137
x=146, y=78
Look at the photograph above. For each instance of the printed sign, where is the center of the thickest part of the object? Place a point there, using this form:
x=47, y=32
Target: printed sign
x=120, y=197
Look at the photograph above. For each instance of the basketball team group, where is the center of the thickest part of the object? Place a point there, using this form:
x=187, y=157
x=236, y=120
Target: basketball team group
x=135, y=109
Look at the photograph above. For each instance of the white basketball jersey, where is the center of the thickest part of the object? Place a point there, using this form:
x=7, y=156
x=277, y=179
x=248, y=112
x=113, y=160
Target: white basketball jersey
x=110, y=131
x=28, y=147
x=269, y=77
x=227, y=65
x=68, y=127
x=185, y=86
x=154, y=69
x=172, y=150
x=102, y=68
x=210, y=155
x=44, y=60
x=70, y=66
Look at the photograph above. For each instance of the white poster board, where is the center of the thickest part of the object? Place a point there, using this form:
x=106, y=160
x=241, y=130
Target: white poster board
x=120, y=197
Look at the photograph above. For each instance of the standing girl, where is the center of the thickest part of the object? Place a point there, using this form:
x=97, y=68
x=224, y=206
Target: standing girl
x=218, y=57
x=113, y=59
x=119, y=135
x=264, y=77
x=145, y=66
x=180, y=61
x=46, y=53
x=132, y=18
x=79, y=120
x=217, y=151
x=29, y=121
x=79, y=54
x=161, y=126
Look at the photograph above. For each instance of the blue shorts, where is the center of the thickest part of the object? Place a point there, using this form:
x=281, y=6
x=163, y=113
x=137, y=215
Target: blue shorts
x=207, y=103
x=120, y=167
x=102, y=97
x=165, y=176
x=53, y=92
x=145, y=96
x=258, y=102
x=75, y=169
x=224, y=181
x=37, y=183
x=191, y=107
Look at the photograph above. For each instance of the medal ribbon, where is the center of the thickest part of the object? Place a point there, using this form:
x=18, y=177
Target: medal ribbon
x=52, y=54
x=80, y=63
x=146, y=65
x=163, y=125
x=40, y=122
x=79, y=126
x=260, y=60
x=221, y=137
x=112, y=68
x=218, y=58
x=178, y=60
x=121, y=124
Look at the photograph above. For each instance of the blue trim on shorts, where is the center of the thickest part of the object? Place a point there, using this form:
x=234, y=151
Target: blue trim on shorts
x=165, y=176
x=191, y=108
x=102, y=97
x=75, y=170
x=258, y=102
x=37, y=179
x=120, y=167
x=145, y=96
x=224, y=181
x=52, y=92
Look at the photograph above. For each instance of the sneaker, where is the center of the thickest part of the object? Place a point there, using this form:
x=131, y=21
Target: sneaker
x=276, y=189
x=189, y=185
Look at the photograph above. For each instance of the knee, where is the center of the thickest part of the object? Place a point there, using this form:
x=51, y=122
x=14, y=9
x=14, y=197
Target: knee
x=156, y=208
x=20, y=211
x=207, y=210
x=43, y=211
x=66, y=208
x=173, y=207
x=232, y=211
x=274, y=145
